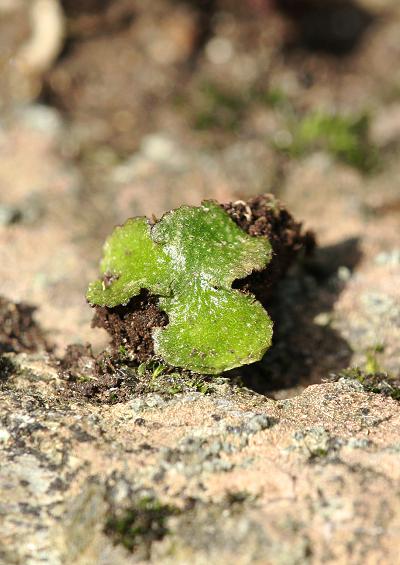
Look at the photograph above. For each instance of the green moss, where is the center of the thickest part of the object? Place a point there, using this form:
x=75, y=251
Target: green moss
x=151, y=368
x=147, y=521
x=157, y=377
x=175, y=383
x=83, y=378
x=122, y=351
x=344, y=137
x=372, y=364
x=219, y=108
x=190, y=259
x=272, y=97
x=319, y=453
x=378, y=383
x=141, y=525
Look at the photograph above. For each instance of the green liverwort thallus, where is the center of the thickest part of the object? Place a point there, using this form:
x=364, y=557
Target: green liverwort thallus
x=190, y=259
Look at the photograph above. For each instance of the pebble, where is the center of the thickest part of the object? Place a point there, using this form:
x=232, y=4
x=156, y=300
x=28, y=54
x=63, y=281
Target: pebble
x=43, y=119
x=344, y=274
x=323, y=319
x=4, y=435
x=219, y=50
x=388, y=258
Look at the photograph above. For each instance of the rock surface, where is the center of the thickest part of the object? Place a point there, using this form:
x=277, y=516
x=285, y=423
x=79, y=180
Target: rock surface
x=309, y=479
x=150, y=106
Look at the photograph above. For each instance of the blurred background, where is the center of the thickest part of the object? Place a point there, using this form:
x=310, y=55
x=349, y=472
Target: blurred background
x=116, y=108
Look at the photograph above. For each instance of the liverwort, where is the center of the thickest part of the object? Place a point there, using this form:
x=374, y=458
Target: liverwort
x=189, y=259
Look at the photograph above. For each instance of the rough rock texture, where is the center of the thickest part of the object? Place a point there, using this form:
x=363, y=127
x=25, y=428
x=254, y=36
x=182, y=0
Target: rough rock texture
x=39, y=230
x=131, y=326
x=137, y=120
x=227, y=477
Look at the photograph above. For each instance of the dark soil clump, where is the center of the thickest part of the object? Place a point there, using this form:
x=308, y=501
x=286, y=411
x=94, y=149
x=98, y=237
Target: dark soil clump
x=102, y=379
x=112, y=377
x=105, y=378
x=266, y=216
x=130, y=327
x=19, y=333
x=78, y=363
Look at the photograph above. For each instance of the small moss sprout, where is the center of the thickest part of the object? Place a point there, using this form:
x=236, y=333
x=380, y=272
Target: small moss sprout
x=190, y=259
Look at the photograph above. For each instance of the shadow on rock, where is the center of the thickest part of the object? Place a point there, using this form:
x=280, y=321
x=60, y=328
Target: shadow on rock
x=305, y=347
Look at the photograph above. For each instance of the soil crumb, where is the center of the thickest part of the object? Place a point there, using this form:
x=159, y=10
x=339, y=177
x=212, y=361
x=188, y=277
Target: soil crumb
x=105, y=378
x=78, y=362
x=130, y=326
x=112, y=377
x=19, y=332
x=266, y=216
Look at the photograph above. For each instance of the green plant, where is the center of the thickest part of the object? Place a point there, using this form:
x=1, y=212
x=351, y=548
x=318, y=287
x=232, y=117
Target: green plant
x=151, y=368
x=272, y=97
x=345, y=137
x=372, y=364
x=190, y=259
x=219, y=108
x=141, y=525
x=379, y=382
